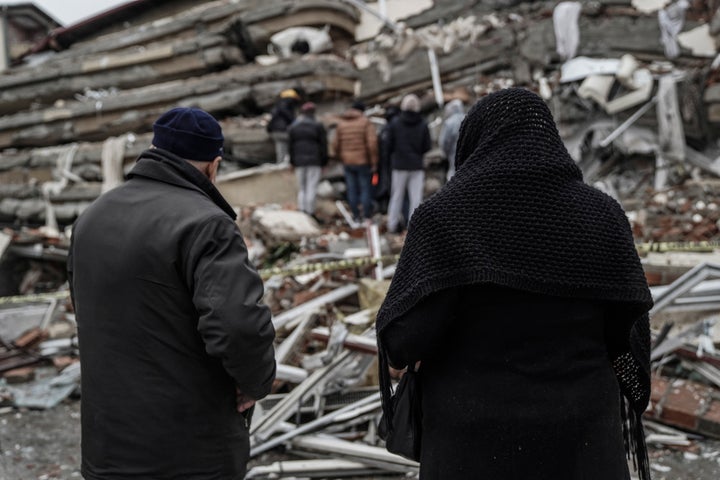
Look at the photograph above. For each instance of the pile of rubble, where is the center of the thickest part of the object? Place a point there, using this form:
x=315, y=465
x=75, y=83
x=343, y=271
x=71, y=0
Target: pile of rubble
x=639, y=115
x=324, y=284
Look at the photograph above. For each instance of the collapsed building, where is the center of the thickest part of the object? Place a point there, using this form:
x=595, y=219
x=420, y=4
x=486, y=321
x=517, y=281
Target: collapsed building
x=633, y=86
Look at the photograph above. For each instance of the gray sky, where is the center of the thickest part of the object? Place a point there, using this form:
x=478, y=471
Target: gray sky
x=70, y=11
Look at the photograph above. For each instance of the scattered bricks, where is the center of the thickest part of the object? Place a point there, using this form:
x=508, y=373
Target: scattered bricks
x=704, y=231
x=654, y=278
x=63, y=361
x=685, y=207
x=657, y=234
x=30, y=338
x=709, y=423
x=19, y=375
x=657, y=392
x=306, y=295
x=691, y=353
x=674, y=234
x=17, y=359
x=685, y=404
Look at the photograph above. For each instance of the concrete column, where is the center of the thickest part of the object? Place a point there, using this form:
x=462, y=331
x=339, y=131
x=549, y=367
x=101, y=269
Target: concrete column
x=4, y=35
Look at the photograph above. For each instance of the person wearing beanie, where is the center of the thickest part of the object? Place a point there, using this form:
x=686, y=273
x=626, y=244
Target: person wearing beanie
x=356, y=145
x=520, y=292
x=281, y=117
x=308, y=154
x=408, y=138
x=358, y=105
x=176, y=343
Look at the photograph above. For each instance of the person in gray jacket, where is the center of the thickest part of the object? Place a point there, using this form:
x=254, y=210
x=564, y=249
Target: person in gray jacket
x=408, y=139
x=454, y=114
x=176, y=345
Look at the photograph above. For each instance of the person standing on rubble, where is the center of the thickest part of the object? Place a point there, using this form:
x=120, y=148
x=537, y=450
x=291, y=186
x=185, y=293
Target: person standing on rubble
x=520, y=291
x=308, y=155
x=176, y=344
x=355, y=144
x=282, y=116
x=407, y=141
x=384, y=170
x=454, y=114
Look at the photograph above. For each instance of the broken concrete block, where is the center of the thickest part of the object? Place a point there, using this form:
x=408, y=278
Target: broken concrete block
x=685, y=404
x=285, y=225
x=257, y=185
x=30, y=338
x=63, y=361
x=713, y=113
x=19, y=375
x=644, y=82
x=582, y=67
x=649, y=6
x=699, y=41
x=626, y=70
x=301, y=40
x=712, y=93
x=597, y=88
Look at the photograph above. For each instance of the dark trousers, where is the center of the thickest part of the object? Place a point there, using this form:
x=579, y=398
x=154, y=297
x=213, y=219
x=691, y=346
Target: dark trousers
x=358, y=182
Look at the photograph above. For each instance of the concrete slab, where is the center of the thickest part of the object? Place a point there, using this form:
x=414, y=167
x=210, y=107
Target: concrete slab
x=268, y=183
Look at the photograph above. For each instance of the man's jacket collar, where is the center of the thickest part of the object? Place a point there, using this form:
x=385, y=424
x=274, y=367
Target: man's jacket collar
x=167, y=167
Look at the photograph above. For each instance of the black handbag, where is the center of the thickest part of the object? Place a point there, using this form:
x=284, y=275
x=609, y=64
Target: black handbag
x=403, y=436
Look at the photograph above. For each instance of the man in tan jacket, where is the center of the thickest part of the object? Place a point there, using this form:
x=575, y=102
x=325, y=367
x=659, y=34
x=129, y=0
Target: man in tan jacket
x=356, y=145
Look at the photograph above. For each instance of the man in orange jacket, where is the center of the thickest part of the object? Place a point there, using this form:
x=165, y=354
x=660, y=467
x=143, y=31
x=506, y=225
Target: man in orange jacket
x=355, y=144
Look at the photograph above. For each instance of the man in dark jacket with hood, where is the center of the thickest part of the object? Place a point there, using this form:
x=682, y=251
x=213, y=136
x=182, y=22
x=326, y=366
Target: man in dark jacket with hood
x=176, y=345
x=408, y=140
x=281, y=117
x=454, y=114
x=308, y=154
x=384, y=170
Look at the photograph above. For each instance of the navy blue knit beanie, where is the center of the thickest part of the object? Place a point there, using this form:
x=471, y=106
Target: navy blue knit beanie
x=358, y=105
x=189, y=133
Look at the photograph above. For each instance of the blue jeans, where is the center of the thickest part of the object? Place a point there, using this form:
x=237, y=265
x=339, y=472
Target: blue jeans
x=358, y=183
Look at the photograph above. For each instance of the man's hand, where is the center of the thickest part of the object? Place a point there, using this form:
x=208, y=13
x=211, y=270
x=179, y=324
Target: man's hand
x=243, y=401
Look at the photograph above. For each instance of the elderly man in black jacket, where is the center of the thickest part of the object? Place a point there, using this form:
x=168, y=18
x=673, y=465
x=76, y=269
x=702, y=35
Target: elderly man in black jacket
x=176, y=345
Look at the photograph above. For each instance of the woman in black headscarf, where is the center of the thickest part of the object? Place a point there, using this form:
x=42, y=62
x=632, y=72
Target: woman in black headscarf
x=520, y=291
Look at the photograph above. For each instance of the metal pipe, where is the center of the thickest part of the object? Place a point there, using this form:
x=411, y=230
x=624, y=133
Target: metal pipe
x=626, y=124
x=375, y=249
x=348, y=217
x=265, y=425
x=375, y=456
x=4, y=44
x=325, y=468
x=435, y=73
x=371, y=402
x=382, y=6
x=286, y=317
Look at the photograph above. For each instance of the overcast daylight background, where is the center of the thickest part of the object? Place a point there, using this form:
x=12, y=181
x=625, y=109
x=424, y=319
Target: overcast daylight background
x=69, y=11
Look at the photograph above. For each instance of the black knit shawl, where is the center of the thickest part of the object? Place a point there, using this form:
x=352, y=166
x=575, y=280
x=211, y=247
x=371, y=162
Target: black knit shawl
x=518, y=214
